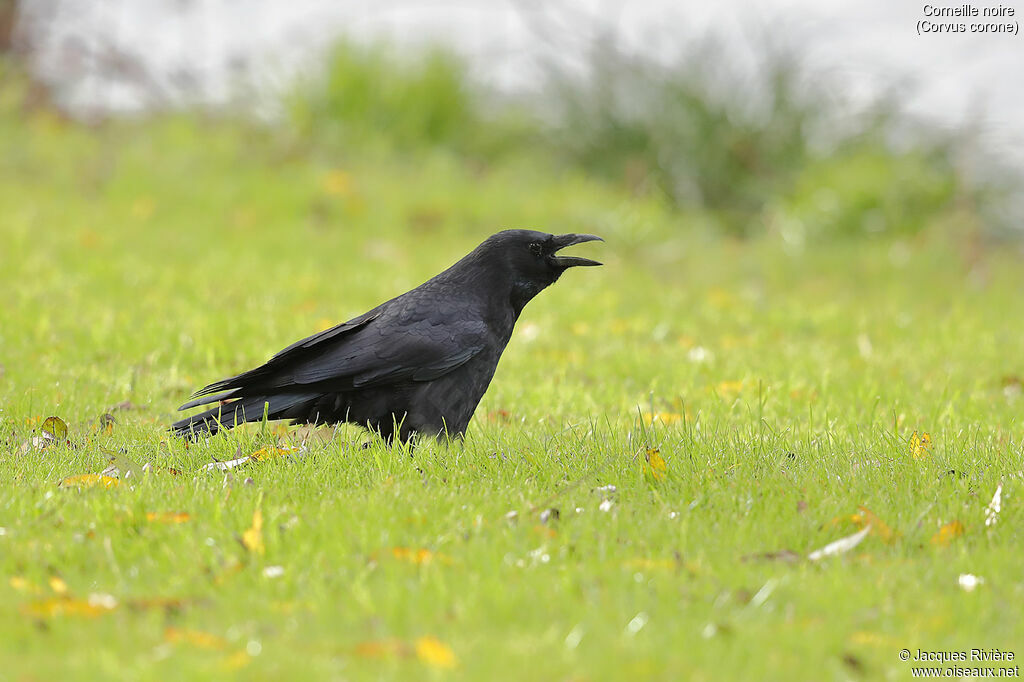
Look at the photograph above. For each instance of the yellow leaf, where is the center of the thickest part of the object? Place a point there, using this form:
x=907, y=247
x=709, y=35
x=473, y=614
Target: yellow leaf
x=168, y=517
x=729, y=389
x=20, y=584
x=264, y=454
x=90, y=481
x=252, y=539
x=58, y=585
x=662, y=418
x=381, y=648
x=96, y=605
x=864, y=518
x=920, y=447
x=56, y=427
x=237, y=660
x=338, y=183
x=197, y=638
x=654, y=464
x=435, y=653
x=947, y=533
x=418, y=556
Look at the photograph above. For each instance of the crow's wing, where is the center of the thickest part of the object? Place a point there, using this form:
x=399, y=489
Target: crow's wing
x=394, y=348
x=391, y=344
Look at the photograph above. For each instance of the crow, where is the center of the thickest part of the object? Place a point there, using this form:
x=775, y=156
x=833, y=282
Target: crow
x=417, y=364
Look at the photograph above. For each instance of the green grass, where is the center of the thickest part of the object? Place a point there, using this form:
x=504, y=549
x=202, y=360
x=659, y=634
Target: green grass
x=140, y=263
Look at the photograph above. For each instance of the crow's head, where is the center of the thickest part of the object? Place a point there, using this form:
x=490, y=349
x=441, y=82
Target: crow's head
x=531, y=259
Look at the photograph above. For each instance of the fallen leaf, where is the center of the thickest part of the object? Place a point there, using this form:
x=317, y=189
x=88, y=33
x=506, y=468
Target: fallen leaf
x=55, y=428
x=920, y=447
x=785, y=555
x=90, y=481
x=106, y=423
x=271, y=453
x=840, y=546
x=419, y=556
x=235, y=661
x=947, y=533
x=879, y=528
x=168, y=517
x=196, y=638
x=95, y=605
x=20, y=584
x=381, y=648
x=654, y=464
x=994, y=507
x=252, y=539
x=226, y=465
x=729, y=389
x=661, y=418
x=338, y=183
x=261, y=455
x=435, y=653
x=122, y=464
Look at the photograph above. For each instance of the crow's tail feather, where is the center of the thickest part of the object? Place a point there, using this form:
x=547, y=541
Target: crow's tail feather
x=230, y=414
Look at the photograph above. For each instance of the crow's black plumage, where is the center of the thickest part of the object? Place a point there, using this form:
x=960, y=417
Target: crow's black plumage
x=418, y=363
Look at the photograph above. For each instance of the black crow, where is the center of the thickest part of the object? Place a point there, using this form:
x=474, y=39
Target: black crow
x=417, y=364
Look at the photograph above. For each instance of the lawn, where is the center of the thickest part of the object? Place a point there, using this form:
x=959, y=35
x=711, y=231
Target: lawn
x=665, y=441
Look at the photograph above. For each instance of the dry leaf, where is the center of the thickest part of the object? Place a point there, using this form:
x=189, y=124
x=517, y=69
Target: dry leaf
x=947, y=533
x=20, y=584
x=252, y=539
x=226, y=465
x=197, y=638
x=261, y=455
x=994, y=507
x=864, y=518
x=661, y=418
x=840, y=546
x=121, y=464
x=264, y=454
x=419, y=556
x=95, y=605
x=920, y=447
x=168, y=517
x=729, y=389
x=785, y=555
x=654, y=464
x=235, y=661
x=90, y=481
x=435, y=653
x=55, y=428
x=381, y=648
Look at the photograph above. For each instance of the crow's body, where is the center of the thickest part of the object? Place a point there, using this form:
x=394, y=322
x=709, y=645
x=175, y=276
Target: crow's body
x=418, y=363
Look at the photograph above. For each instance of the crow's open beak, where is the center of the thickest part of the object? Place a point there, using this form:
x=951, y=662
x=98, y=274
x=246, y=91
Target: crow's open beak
x=565, y=240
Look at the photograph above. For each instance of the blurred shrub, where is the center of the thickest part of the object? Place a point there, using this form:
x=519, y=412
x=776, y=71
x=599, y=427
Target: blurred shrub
x=705, y=133
x=772, y=146
x=372, y=95
x=867, y=189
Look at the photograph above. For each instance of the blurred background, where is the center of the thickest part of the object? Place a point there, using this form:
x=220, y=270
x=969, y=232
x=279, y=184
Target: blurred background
x=751, y=112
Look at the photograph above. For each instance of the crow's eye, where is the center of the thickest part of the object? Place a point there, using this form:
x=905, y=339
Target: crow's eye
x=536, y=248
